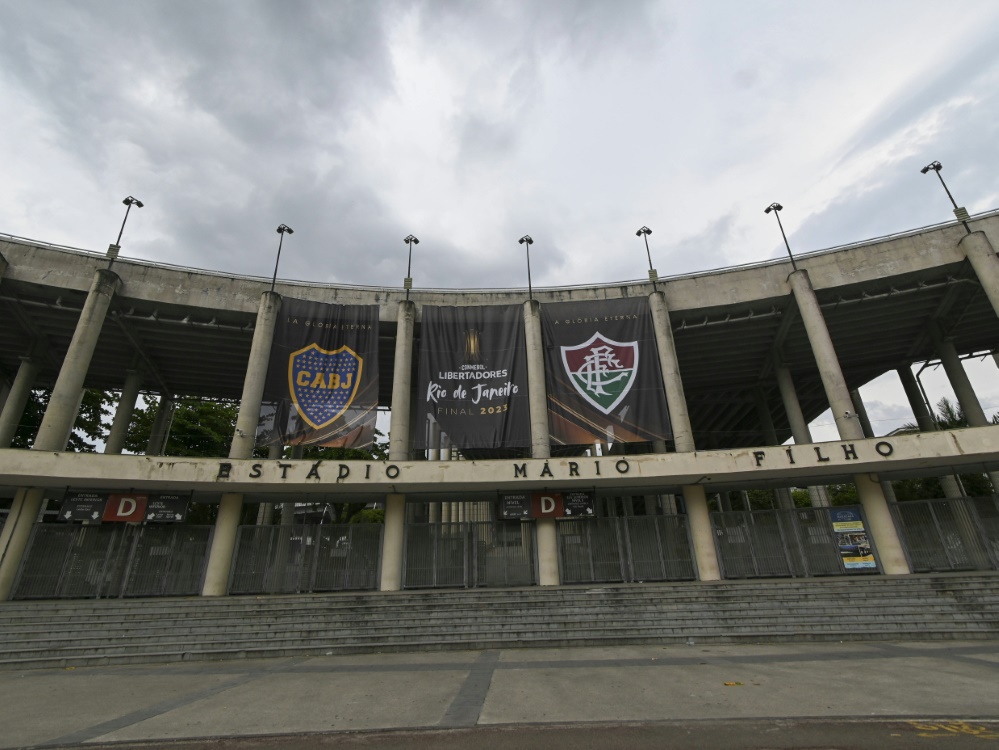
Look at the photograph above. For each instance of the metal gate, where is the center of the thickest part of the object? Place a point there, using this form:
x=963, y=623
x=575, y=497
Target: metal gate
x=777, y=543
x=470, y=554
x=629, y=548
x=75, y=562
x=950, y=534
x=300, y=559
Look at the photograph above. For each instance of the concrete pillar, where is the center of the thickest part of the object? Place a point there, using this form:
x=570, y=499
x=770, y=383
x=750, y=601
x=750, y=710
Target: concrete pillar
x=818, y=495
x=399, y=446
x=547, y=533
x=865, y=423
x=17, y=399
x=979, y=252
x=876, y=509
x=159, y=433
x=783, y=495
x=434, y=454
x=965, y=393
x=265, y=513
x=4, y=393
x=59, y=416
x=705, y=554
x=123, y=413
x=231, y=503
x=925, y=421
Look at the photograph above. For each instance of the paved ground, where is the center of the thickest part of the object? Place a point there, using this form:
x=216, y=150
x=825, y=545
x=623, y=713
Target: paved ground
x=843, y=695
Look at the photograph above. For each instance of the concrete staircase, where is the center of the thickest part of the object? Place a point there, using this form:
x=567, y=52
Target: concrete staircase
x=95, y=632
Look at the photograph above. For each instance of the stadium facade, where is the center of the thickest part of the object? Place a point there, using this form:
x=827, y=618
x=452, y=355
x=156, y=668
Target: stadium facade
x=587, y=434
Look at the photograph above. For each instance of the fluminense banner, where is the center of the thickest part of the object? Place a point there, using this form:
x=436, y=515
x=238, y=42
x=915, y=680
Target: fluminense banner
x=602, y=373
x=473, y=377
x=322, y=378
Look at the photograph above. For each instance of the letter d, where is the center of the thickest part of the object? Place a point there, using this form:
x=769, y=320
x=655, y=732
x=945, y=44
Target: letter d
x=547, y=504
x=126, y=502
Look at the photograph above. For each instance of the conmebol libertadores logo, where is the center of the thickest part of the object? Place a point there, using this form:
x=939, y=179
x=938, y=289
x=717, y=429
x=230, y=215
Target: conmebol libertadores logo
x=602, y=370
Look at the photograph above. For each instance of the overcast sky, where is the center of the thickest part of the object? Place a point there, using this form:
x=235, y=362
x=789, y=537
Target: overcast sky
x=470, y=124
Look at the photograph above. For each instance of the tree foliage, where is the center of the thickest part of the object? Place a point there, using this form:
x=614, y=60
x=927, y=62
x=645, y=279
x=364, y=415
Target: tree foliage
x=90, y=427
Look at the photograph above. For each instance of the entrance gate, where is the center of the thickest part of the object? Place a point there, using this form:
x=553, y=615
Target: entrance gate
x=951, y=534
x=300, y=559
x=112, y=560
x=627, y=548
x=777, y=543
x=470, y=554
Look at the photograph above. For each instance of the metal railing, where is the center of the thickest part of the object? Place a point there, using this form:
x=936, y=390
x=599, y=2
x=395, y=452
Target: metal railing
x=950, y=534
x=78, y=562
x=301, y=559
x=628, y=549
x=777, y=543
x=470, y=554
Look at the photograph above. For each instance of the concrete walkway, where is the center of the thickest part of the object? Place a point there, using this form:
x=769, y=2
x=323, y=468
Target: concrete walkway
x=878, y=695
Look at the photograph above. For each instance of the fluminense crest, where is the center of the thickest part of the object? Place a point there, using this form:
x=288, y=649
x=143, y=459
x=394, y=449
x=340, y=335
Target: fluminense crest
x=602, y=370
x=323, y=383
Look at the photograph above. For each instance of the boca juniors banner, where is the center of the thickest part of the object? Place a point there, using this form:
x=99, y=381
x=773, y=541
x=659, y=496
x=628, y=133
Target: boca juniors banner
x=473, y=377
x=602, y=373
x=322, y=378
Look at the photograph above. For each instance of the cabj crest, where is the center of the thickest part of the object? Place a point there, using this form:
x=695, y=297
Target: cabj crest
x=323, y=383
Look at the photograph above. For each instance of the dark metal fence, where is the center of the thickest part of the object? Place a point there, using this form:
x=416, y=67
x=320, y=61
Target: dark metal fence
x=777, y=543
x=629, y=548
x=950, y=534
x=76, y=562
x=299, y=559
x=470, y=554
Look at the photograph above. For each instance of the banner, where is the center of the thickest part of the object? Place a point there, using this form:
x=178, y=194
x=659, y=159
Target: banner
x=322, y=378
x=473, y=377
x=602, y=373
x=851, y=539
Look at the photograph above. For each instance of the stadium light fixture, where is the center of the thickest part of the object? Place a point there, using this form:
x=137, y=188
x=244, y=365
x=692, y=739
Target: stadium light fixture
x=408, y=281
x=960, y=212
x=281, y=230
x=526, y=241
x=776, y=208
x=114, y=249
x=644, y=233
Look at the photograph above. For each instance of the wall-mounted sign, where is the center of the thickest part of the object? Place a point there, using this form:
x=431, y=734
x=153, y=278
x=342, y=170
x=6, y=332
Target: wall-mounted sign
x=167, y=508
x=515, y=505
x=578, y=503
x=83, y=506
x=125, y=508
x=547, y=505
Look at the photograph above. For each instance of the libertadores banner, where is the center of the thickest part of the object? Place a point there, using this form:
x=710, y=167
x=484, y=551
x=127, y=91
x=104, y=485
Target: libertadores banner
x=322, y=378
x=473, y=377
x=602, y=373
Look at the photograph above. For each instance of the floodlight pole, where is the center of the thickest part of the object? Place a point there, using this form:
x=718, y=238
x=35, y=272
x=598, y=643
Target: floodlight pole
x=960, y=213
x=116, y=247
x=644, y=233
x=776, y=208
x=408, y=281
x=527, y=242
x=281, y=230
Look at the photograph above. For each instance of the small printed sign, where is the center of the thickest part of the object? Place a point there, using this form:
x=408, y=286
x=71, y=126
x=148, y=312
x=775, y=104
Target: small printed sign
x=515, y=506
x=578, y=503
x=852, y=540
x=83, y=506
x=166, y=508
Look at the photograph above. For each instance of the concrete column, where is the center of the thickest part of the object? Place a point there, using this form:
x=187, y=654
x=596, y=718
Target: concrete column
x=4, y=393
x=705, y=554
x=59, y=416
x=17, y=399
x=925, y=421
x=783, y=495
x=399, y=446
x=818, y=495
x=76, y=413
x=979, y=252
x=965, y=393
x=548, y=573
x=123, y=413
x=231, y=503
x=159, y=433
x=865, y=423
x=434, y=454
x=879, y=517
x=265, y=513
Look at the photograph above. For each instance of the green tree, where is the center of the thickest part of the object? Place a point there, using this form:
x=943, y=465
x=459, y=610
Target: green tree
x=89, y=429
